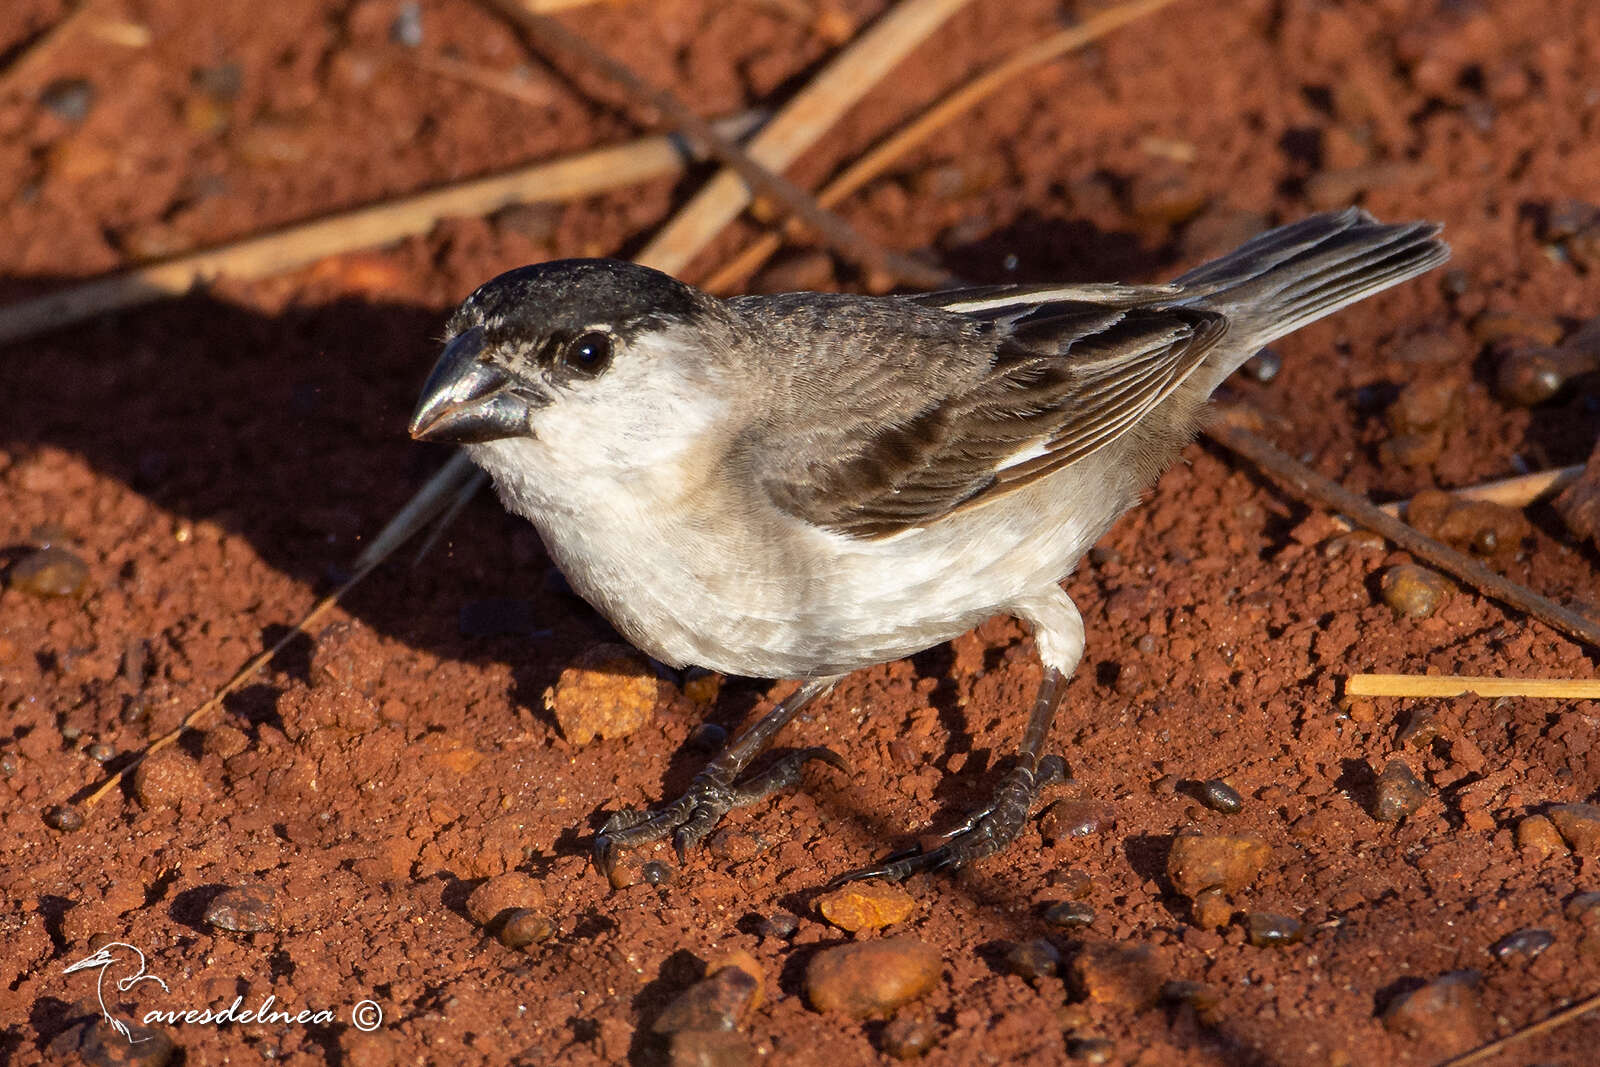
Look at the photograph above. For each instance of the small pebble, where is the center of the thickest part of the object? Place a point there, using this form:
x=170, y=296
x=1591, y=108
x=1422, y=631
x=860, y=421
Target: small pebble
x=501, y=896
x=1412, y=591
x=872, y=977
x=406, y=29
x=779, y=925
x=1204, y=999
x=1445, y=1013
x=50, y=572
x=610, y=692
x=707, y=737
x=1218, y=795
x=1420, y=730
x=1075, y=818
x=1529, y=375
x=703, y=687
x=1212, y=910
x=1200, y=861
x=1538, y=835
x=1073, y=882
x=711, y=1048
x=1266, y=930
x=69, y=99
x=735, y=846
x=1526, y=943
x=101, y=752
x=1579, y=825
x=524, y=927
x=1584, y=908
x=1032, y=960
x=655, y=872
x=717, y=1002
x=909, y=1035
x=1398, y=792
x=1118, y=975
x=244, y=909
x=1069, y=914
x=860, y=906
x=8, y=765
x=1091, y=1049
x=63, y=817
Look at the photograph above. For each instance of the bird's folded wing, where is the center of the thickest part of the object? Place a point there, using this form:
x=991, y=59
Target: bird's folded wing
x=1065, y=373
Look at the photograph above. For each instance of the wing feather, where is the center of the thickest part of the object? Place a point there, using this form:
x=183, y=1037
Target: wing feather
x=1044, y=377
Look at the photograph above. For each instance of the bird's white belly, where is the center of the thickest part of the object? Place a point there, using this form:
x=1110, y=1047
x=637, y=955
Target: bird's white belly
x=766, y=601
x=753, y=591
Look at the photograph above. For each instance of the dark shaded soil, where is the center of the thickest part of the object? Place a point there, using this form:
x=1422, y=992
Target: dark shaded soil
x=217, y=460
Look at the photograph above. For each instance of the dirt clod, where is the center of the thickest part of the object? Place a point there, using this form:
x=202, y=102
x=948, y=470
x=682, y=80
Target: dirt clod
x=1200, y=861
x=1445, y=1013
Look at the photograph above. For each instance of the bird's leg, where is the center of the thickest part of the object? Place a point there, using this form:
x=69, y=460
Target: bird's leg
x=1058, y=630
x=714, y=791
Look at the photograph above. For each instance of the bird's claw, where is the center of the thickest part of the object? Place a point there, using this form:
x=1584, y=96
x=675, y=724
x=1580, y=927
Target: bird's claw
x=982, y=833
x=696, y=813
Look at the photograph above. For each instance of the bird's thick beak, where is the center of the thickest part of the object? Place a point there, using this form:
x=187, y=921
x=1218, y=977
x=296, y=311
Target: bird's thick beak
x=468, y=401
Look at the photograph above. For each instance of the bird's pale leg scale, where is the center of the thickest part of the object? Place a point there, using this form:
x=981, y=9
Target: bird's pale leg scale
x=714, y=791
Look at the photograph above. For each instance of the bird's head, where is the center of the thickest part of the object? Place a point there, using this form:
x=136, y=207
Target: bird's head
x=590, y=365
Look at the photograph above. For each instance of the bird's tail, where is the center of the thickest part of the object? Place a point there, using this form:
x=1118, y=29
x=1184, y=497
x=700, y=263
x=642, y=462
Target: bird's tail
x=1293, y=275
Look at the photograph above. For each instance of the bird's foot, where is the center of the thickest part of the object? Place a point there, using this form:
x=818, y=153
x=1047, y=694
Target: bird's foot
x=982, y=833
x=692, y=816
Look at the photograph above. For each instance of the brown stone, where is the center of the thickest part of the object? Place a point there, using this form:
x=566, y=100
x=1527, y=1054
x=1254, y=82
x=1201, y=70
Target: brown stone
x=1536, y=834
x=866, y=905
x=717, y=1002
x=1119, y=975
x=1200, y=861
x=1445, y=1014
x=873, y=977
x=1579, y=825
x=504, y=893
x=610, y=692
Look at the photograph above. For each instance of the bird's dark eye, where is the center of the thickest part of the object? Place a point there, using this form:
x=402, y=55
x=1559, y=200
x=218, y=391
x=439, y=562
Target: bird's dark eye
x=588, y=353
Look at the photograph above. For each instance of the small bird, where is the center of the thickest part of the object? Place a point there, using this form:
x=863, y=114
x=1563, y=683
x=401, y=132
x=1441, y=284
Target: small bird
x=804, y=484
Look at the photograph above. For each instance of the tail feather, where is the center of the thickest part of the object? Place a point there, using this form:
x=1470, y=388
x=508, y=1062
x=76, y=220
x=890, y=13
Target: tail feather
x=1296, y=274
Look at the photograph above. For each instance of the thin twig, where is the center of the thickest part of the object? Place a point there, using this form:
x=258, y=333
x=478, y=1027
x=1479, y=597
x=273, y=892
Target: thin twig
x=442, y=497
x=1455, y=685
x=37, y=53
x=245, y=673
x=957, y=102
x=569, y=178
x=1307, y=483
x=1561, y=1017
x=833, y=229
x=799, y=125
x=1516, y=492
x=493, y=80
